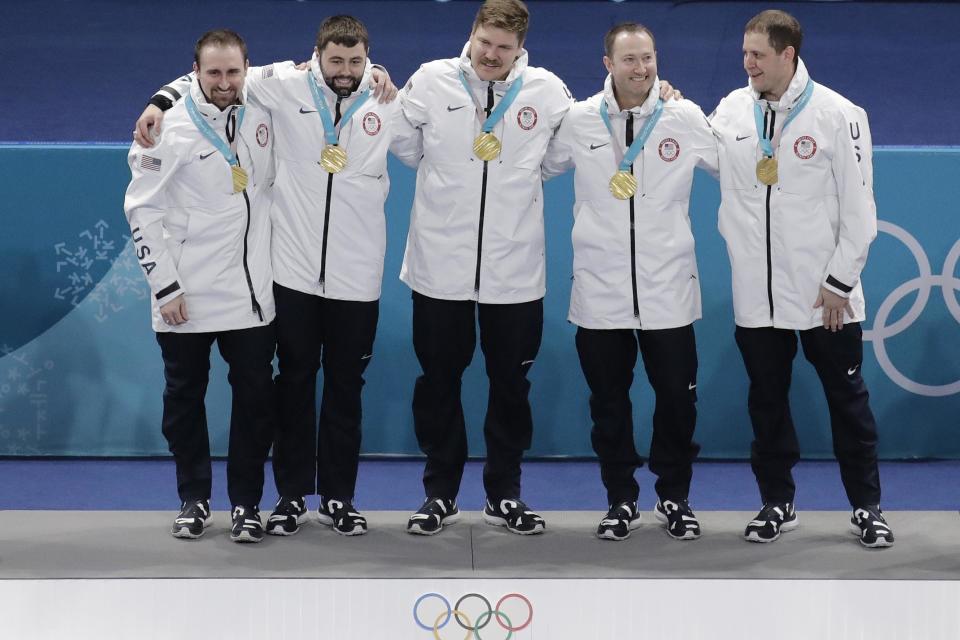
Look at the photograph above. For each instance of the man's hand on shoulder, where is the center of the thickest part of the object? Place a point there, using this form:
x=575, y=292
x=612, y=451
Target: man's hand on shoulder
x=152, y=117
x=667, y=91
x=383, y=87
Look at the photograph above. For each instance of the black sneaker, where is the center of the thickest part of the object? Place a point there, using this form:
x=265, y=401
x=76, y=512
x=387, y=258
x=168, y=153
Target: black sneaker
x=341, y=516
x=514, y=515
x=432, y=516
x=193, y=518
x=681, y=522
x=869, y=524
x=287, y=516
x=773, y=519
x=620, y=520
x=246, y=524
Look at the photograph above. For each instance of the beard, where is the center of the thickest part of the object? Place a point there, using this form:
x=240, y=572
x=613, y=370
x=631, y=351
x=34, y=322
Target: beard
x=342, y=88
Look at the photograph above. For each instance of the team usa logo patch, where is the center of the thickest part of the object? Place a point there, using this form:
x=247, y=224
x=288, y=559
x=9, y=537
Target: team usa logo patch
x=805, y=147
x=669, y=149
x=527, y=118
x=371, y=123
x=263, y=135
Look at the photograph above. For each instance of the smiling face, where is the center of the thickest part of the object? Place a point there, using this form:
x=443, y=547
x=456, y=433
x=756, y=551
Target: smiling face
x=221, y=71
x=342, y=66
x=493, y=52
x=632, y=64
x=770, y=72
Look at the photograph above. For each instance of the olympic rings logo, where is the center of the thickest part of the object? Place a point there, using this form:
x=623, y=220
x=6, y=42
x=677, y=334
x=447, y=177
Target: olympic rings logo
x=460, y=614
x=922, y=284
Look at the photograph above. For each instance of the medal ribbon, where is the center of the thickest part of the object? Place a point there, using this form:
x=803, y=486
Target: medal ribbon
x=637, y=146
x=330, y=131
x=207, y=131
x=766, y=144
x=497, y=114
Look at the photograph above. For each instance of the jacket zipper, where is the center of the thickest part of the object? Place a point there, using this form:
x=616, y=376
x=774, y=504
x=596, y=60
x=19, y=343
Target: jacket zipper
x=483, y=200
x=246, y=232
x=633, y=237
x=326, y=216
x=772, y=119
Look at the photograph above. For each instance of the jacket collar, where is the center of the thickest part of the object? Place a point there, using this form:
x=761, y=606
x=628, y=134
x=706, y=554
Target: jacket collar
x=519, y=66
x=794, y=90
x=642, y=110
x=329, y=93
x=211, y=111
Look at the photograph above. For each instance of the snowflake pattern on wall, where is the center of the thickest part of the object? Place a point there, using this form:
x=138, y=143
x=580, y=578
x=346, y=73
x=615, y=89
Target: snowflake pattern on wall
x=94, y=252
x=23, y=402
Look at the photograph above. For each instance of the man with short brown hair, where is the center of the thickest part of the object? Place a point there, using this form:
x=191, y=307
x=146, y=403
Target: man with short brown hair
x=798, y=217
x=198, y=208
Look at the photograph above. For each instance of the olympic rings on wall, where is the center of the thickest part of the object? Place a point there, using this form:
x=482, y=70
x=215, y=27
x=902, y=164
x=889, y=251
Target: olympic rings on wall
x=923, y=285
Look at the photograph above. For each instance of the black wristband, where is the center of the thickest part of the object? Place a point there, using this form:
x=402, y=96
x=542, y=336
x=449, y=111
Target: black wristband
x=162, y=102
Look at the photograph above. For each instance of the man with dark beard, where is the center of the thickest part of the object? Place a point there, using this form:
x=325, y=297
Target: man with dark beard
x=328, y=250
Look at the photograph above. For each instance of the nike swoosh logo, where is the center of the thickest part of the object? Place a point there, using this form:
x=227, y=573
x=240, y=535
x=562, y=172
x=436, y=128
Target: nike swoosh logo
x=204, y=157
x=449, y=108
x=852, y=371
x=691, y=387
x=597, y=146
x=302, y=110
x=739, y=138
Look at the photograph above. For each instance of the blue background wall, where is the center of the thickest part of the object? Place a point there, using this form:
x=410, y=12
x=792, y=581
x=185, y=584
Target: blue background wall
x=80, y=372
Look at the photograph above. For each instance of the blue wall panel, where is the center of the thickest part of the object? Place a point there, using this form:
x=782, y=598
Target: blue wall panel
x=80, y=371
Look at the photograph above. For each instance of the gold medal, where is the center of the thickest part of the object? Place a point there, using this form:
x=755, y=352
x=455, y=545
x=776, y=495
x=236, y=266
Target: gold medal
x=623, y=185
x=767, y=171
x=486, y=147
x=333, y=159
x=239, y=178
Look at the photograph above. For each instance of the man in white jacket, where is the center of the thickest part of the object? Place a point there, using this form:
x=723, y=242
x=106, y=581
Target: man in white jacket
x=798, y=217
x=329, y=239
x=475, y=253
x=198, y=207
x=635, y=279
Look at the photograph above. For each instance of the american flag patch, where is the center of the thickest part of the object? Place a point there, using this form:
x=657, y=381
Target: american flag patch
x=149, y=163
x=267, y=72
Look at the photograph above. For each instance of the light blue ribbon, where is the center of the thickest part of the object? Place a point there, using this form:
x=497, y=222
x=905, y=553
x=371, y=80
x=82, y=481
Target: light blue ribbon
x=501, y=109
x=637, y=146
x=330, y=131
x=207, y=131
x=766, y=143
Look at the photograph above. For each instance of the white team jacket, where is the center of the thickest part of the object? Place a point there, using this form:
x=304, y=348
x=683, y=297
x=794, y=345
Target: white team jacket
x=666, y=286
x=326, y=227
x=821, y=217
x=192, y=234
x=447, y=255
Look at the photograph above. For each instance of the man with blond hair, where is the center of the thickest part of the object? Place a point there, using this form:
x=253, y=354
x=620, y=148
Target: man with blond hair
x=475, y=255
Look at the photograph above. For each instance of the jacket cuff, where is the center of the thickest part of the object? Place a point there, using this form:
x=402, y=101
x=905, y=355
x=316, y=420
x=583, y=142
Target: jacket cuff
x=164, y=103
x=837, y=287
x=168, y=293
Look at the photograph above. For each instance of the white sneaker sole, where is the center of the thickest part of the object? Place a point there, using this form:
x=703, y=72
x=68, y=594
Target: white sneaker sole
x=497, y=521
x=417, y=531
x=326, y=520
x=245, y=538
x=881, y=542
x=184, y=533
x=787, y=526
